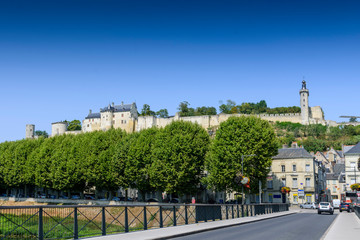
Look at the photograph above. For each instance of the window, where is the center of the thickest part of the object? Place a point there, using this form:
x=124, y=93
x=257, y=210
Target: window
x=334, y=182
x=88, y=125
x=308, y=199
x=307, y=182
x=294, y=183
x=283, y=181
x=334, y=190
x=269, y=184
x=270, y=198
x=294, y=168
x=122, y=115
x=352, y=165
x=307, y=167
x=295, y=199
x=283, y=168
x=122, y=121
x=352, y=181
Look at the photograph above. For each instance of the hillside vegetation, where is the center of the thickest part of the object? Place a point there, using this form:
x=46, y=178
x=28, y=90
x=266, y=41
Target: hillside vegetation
x=317, y=137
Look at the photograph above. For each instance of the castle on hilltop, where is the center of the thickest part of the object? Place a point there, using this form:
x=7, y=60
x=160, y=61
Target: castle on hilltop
x=125, y=116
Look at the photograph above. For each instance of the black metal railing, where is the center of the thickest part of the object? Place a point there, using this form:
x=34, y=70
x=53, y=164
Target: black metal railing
x=357, y=210
x=77, y=221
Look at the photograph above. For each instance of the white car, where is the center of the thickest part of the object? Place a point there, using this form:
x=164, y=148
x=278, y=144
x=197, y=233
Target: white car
x=308, y=205
x=325, y=207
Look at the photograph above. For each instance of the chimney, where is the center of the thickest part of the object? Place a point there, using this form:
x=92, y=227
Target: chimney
x=112, y=104
x=90, y=111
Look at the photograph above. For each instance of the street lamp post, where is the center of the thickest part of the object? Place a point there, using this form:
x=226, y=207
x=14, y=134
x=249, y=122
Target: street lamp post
x=242, y=173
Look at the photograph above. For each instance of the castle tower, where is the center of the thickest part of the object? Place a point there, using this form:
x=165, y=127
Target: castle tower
x=107, y=117
x=304, y=103
x=58, y=128
x=30, y=131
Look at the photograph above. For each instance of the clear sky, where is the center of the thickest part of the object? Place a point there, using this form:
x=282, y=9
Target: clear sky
x=59, y=58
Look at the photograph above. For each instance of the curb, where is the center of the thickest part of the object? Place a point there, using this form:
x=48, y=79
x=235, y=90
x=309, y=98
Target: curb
x=328, y=230
x=219, y=227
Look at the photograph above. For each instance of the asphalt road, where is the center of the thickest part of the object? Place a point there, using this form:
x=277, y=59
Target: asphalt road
x=307, y=225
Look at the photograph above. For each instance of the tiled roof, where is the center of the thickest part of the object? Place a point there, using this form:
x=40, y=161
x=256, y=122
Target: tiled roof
x=332, y=176
x=354, y=150
x=347, y=148
x=286, y=153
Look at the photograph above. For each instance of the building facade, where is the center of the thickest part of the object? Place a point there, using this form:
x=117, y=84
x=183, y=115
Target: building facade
x=352, y=164
x=293, y=168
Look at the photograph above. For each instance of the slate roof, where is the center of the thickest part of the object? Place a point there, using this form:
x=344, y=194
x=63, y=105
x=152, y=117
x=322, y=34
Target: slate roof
x=93, y=115
x=339, y=168
x=341, y=154
x=354, y=150
x=117, y=108
x=332, y=176
x=286, y=153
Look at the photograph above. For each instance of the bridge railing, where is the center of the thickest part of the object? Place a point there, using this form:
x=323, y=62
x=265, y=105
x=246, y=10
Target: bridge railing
x=357, y=210
x=78, y=221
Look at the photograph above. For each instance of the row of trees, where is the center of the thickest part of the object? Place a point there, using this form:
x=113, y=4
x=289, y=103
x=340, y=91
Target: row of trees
x=172, y=159
x=229, y=107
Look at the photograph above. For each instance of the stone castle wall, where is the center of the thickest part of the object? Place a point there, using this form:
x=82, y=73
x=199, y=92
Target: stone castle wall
x=210, y=121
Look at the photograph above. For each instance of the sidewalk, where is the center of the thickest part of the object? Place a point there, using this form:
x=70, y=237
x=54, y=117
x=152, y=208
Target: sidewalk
x=345, y=226
x=170, y=232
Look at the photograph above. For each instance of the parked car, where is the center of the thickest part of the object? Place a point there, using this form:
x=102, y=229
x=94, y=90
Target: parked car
x=152, y=200
x=308, y=205
x=75, y=197
x=325, y=207
x=42, y=196
x=89, y=197
x=345, y=207
x=63, y=197
x=116, y=199
x=174, y=200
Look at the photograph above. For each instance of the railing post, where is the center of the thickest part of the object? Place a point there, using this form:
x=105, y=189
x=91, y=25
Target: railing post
x=221, y=212
x=76, y=230
x=227, y=214
x=41, y=227
x=242, y=211
x=251, y=210
x=103, y=222
x=237, y=208
x=205, y=213
x=213, y=212
x=186, y=215
x=232, y=211
x=126, y=219
x=174, y=215
x=161, y=217
x=145, y=219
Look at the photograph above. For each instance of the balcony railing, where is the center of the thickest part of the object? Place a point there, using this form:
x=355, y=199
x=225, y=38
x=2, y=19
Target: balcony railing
x=77, y=221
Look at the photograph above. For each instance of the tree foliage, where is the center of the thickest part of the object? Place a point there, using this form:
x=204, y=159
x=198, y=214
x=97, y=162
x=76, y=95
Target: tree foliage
x=186, y=111
x=178, y=157
x=236, y=137
x=74, y=125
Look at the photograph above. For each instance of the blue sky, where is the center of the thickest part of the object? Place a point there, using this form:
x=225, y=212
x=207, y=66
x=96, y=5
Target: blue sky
x=58, y=59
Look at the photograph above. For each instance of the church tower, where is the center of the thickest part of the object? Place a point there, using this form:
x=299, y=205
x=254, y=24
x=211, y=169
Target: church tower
x=304, y=103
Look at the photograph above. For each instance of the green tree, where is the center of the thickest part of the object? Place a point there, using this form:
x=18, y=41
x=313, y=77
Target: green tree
x=352, y=119
x=185, y=110
x=236, y=137
x=178, y=157
x=146, y=111
x=74, y=125
x=41, y=134
x=163, y=113
x=228, y=108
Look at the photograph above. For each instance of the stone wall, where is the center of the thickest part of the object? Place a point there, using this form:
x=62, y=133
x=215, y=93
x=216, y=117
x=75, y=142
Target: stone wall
x=212, y=121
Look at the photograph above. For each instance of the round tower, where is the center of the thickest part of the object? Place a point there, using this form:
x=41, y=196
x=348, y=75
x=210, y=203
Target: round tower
x=30, y=131
x=304, y=103
x=58, y=128
x=107, y=117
